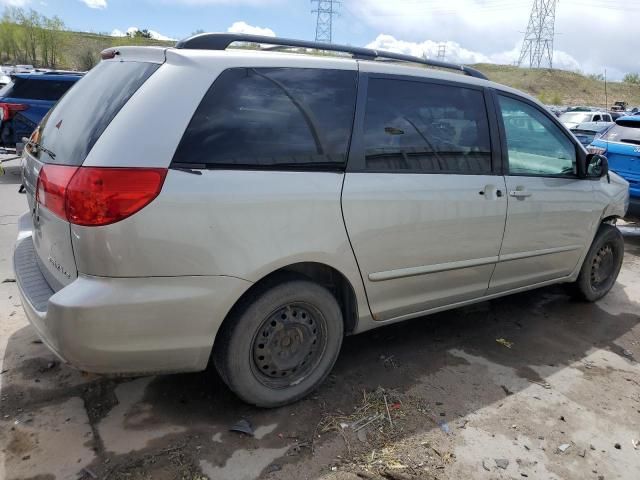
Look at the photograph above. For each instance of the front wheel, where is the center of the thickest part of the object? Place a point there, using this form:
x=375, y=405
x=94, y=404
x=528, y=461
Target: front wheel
x=278, y=347
x=601, y=265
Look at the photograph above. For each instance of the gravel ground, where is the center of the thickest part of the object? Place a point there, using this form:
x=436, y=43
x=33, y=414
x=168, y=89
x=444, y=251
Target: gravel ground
x=558, y=397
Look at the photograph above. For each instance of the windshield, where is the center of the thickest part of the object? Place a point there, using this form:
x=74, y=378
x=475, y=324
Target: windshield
x=32, y=89
x=623, y=134
x=575, y=117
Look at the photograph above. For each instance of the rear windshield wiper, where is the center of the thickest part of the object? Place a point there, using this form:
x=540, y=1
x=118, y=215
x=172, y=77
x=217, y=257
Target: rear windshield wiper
x=28, y=141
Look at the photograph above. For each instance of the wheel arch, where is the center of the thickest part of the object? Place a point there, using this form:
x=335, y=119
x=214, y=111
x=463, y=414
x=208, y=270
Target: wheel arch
x=329, y=277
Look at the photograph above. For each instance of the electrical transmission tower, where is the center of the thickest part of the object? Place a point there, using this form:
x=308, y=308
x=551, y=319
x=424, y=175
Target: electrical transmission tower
x=537, y=48
x=442, y=52
x=325, y=9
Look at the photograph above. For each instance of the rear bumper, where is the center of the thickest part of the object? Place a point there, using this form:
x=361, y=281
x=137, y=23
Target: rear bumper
x=126, y=325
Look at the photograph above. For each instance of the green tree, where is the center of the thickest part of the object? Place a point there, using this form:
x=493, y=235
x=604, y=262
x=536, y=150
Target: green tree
x=144, y=33
x=633, y=78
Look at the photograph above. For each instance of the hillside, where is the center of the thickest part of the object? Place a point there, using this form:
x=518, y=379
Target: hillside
x=561, y=87
x=550, y=86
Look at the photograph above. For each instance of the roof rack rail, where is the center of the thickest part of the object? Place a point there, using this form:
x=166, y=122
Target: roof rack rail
x=221, y=41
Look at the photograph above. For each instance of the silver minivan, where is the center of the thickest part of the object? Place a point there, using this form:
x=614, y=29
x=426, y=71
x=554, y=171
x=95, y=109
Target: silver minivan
x=202, y=205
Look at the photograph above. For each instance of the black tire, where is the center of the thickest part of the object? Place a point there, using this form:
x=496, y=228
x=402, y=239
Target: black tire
x=280, y=344
x=601, y=265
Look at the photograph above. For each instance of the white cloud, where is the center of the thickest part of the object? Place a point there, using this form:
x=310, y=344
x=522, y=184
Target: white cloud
x=456, y=53
x=14, y=3
x=591, y=34
x=200, y=3
x=132, y=30
x=95, y=3
x=243, y=27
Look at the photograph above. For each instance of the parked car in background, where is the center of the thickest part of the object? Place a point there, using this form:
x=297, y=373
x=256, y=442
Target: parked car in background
x=26, y=100
x=284, y=200
x=619, y=106
x=617, y=115
x=574, y=118
x=621, y=145
x=587, y=132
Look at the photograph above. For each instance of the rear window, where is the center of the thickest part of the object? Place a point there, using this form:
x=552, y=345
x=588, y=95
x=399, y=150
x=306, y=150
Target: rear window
x=624, y=134
x=74, y=125
x=272, y=118
x=32, y=89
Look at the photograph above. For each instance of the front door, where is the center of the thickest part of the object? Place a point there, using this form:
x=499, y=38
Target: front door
x=423, y=209
x=552, y=214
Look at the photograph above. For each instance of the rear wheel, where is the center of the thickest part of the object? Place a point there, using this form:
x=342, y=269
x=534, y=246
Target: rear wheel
x=601, y=265
x=282, y=344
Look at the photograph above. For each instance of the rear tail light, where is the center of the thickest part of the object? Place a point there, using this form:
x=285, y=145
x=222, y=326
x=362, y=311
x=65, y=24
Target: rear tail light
x=94, y=196
x=8, y=110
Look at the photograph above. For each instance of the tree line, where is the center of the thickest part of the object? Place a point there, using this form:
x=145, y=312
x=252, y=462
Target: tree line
x=28, y=37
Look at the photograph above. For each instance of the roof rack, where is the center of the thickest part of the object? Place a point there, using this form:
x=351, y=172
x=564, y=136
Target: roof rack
x=221, y=41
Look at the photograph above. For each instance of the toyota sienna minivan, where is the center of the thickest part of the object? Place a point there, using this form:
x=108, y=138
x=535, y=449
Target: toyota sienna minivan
x=247, y=209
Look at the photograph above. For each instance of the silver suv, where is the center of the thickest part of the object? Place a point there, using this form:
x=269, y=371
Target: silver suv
x=198, y=204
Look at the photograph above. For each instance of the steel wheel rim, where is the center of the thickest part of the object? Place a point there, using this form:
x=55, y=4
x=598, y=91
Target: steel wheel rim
x=603, y=266
x=288, y=345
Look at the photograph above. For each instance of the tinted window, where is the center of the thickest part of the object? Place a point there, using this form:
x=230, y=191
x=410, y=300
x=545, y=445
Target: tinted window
x=272, y=118
x=536, y=145
x=628, y=132
x=33, y=89
x=75, y=124
x=423, y=127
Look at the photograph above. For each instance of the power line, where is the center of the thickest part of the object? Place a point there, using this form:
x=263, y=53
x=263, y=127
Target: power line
x=442, y=52
x=325, y=10
x=537, y=47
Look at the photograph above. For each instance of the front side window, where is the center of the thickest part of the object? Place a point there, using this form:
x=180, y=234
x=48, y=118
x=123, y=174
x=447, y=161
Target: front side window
x=272, y=118
x=536, y=145
x=426, y=128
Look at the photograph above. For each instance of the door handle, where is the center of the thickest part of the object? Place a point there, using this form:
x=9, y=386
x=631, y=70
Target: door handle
x=519, y=193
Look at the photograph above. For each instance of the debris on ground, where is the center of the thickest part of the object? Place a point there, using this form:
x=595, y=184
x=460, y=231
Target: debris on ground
x=444, y=426
x=485, y=465
x=89, y=472
x=542, y=384
x=9, y=280
x=627, y=353
x=618, y=446
x=635, y=443
x=502, y=463
x=564, y=447
x=242, y=426
x=504, y=342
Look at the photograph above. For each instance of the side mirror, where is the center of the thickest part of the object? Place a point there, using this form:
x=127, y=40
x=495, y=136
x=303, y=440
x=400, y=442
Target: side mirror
x=597, y=165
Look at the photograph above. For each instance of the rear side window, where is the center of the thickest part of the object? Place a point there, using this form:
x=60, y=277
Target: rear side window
x=32, y=89
x=78, y=120
x=272, y=118
x=426, y=128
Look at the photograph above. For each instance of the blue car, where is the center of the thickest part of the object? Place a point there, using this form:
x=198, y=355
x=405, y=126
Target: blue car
x=26, y=100
x=621, y=145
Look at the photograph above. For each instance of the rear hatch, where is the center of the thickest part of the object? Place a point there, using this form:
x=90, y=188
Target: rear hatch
x=623, y=152
x=58, y=149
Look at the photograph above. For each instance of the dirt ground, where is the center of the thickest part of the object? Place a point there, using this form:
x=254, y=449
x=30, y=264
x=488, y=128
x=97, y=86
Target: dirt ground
x=530, y=386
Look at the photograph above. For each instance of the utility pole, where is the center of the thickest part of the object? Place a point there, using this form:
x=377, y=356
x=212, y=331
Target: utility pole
x=442, y=52
x=606, y=99
x=537, y=48
x=325, y=10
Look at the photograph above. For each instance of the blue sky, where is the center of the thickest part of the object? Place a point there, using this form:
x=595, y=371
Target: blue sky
x=178, y=19
x=592, y=35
